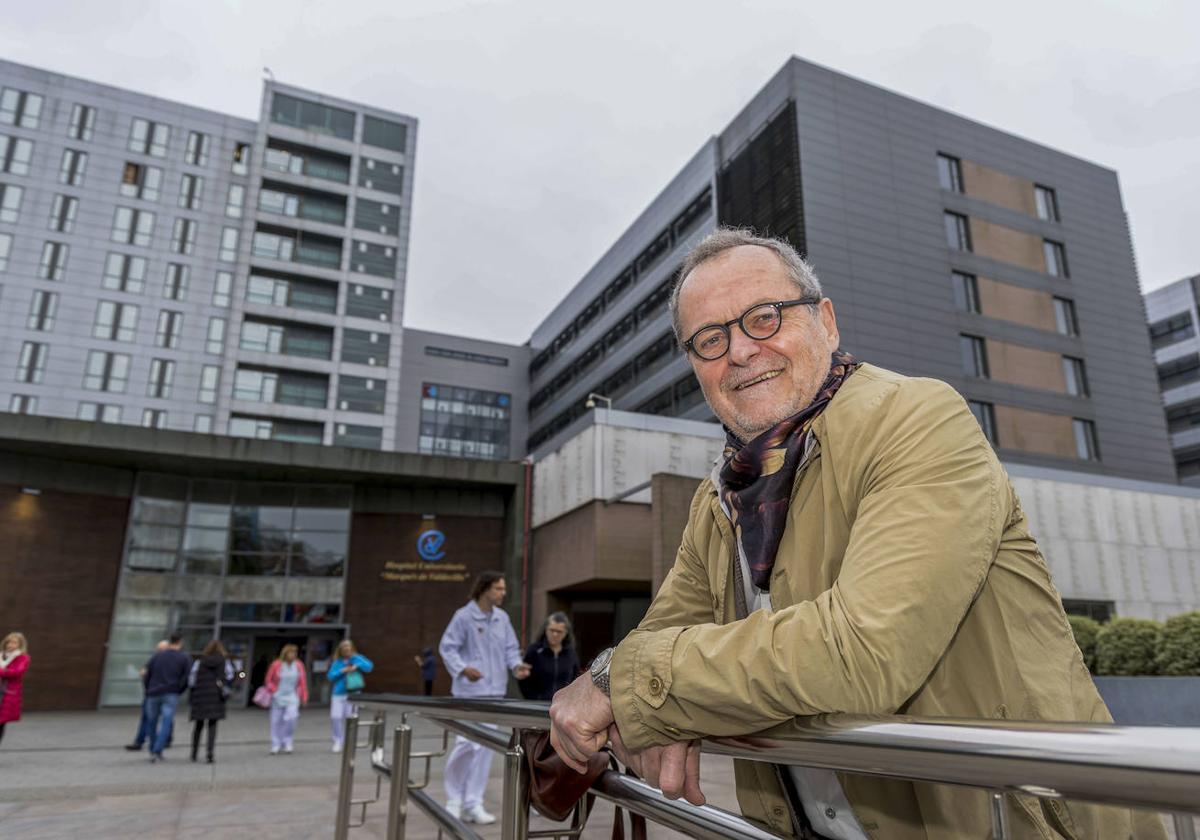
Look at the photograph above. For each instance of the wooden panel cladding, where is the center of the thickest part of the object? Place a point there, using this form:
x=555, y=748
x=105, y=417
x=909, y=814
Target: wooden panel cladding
x=1034, y=431
x=398, y=602
x=670, y=504
x=1027, y=366
x=1014, y=303
x=1000, y=242
x=995, y=187
x=593, y=542
x=60, y=554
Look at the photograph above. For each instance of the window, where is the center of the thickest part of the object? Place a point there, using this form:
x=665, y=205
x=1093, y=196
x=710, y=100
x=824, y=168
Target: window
x=985, y=413
x=222, y=289
x=5, y=250
x=170, y=325
x=32, y=363
x=83, y=121
x=176, y=285
x=183, y=236
x=357, y=393
x=466, y=356
x=290, y=339
x=283, y=387
x=234, y=201
x=230, y=237
x=149, y=138
x=215, y=342
x=966, y=291
x=42, y=311
x=22, y=404
x=384, y=134
x=197, y=149
x=106, y=371
x=62, y=213
x=241, y=158
x=54, y=261
x=133, y=227
x=191, y=190
x=1064, y=317
x=312, y=116
x=1171, y=330
x=1100, y=611
x=464, y=422
x=124, y=273
x=305, y=160
x=162, y=377
x=203, y=424
x=369, y=302
x=141, y=181
x=1087, y=448
x=1056, y=258
x=96, y=412
x=958, y=232
x=1047, y=203
x=266, y=428
x=10, y=202
x=1179, y=371
x=20, y=108
x=73, y=168
x=298, y=292
x=115, y=321
x=1075, y=376
x=949, y=173
x=16, y=153
x=154, y=418
x=1181, y=418
x=210, y=377
x=974, y=356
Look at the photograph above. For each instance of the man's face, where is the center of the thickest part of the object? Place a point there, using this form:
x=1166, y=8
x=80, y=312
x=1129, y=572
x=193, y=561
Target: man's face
x=756, y=384
x=495, y=593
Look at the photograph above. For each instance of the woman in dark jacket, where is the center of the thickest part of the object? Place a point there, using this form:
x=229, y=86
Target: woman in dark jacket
x=211, y=681
x=552, y=660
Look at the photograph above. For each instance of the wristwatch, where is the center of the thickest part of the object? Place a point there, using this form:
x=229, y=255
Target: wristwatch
x=599, y=669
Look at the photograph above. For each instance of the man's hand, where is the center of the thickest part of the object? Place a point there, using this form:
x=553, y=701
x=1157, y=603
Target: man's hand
x=473, y=674
x=522, y=670
x=673, y=769
x=580, y=716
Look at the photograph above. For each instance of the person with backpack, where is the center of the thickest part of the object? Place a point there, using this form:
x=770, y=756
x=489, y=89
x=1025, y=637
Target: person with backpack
x=211, y=682
x=346, y=674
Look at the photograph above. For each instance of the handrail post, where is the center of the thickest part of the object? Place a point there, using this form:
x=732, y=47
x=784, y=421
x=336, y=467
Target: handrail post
x=516, y=791
x=341, y=826
x=398, y=795
x=999, y=817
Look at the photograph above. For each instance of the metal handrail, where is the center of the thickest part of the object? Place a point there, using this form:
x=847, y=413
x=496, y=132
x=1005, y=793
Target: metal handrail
x=1146, y=767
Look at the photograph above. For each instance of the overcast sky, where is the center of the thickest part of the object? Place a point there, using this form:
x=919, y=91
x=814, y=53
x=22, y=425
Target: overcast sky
x=547, y=125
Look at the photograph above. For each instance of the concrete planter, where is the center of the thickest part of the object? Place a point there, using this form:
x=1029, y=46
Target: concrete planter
x=1152, y=701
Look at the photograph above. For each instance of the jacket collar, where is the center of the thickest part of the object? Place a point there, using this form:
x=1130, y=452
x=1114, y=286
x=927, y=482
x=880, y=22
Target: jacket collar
x=477, y=613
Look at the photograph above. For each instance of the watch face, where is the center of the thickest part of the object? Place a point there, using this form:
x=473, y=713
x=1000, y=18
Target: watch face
x=601, y=660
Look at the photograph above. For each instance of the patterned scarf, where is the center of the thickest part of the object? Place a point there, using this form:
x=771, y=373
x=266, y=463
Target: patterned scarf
x=756, y=478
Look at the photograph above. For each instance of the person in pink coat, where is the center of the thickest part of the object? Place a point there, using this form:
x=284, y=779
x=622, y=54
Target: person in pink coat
x=288, y=684
x=14, y=660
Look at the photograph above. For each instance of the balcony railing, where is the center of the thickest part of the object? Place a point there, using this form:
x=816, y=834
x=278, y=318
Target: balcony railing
x=1156, y=768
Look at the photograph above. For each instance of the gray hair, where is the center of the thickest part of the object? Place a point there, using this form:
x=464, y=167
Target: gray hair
x=558, y=618
x=721, y=240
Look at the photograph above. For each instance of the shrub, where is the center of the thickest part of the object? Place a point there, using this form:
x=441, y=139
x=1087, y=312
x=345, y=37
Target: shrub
x=1179, y=649
x=1085, y=630
x=1126, y=647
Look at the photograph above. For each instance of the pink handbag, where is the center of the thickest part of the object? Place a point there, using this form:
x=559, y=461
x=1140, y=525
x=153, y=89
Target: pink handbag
x=262, y=697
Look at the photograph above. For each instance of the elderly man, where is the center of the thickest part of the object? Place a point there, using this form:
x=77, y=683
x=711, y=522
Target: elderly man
x=859, y=549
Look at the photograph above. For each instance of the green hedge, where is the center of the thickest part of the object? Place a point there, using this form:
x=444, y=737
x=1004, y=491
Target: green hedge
x=1179, y=648
x=1128, y=647
x=1085, y=630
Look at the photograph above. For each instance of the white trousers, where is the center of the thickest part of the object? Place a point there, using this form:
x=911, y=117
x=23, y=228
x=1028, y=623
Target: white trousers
x=339, y=709
x=283, y=726
x=466, y=772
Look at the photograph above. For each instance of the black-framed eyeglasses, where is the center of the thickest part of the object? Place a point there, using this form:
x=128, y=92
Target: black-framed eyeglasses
x=759, y=322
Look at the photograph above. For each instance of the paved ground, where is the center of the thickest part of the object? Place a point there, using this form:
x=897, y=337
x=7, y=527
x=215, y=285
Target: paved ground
x=65, y=775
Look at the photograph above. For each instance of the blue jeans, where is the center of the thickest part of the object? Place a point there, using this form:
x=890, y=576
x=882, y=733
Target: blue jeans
x=160, y=717
x=143, y=732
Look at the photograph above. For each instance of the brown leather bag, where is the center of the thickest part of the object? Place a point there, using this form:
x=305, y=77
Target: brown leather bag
x=555, y=789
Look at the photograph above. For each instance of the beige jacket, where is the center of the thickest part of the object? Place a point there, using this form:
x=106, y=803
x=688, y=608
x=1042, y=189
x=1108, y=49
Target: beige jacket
x=906, y=582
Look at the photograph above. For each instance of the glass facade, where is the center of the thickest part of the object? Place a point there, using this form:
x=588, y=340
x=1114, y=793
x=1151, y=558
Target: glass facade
x=464, y=422
x=204, y=557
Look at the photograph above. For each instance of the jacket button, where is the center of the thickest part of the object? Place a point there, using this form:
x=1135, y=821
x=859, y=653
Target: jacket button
x=830, y=813
x=655, y=686
x=778, y=811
